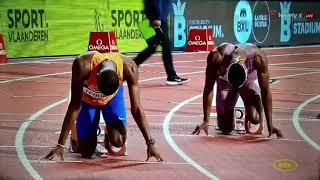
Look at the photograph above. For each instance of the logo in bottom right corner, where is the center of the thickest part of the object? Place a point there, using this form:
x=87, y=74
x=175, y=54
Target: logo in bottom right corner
x=285, y=165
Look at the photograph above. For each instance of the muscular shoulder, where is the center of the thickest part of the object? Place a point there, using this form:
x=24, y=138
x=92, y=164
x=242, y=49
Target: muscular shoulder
x=81, y=65
x=84, y=59
x=130, y=69
x=260, y=59
x=214, y=57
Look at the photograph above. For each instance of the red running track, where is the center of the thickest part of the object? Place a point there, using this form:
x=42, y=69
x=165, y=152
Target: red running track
x=34, y=101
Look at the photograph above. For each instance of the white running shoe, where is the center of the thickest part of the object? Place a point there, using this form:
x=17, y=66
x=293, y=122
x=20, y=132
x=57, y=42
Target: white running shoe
x=101, y=150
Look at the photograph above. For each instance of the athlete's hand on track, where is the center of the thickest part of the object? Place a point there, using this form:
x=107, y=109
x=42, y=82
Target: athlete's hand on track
x=57, y=151
x=276, y=131
x=204, y=126
x=152, y=152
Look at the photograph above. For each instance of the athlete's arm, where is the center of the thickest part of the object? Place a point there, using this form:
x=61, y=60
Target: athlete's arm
x=131, y=75
x=75, y=103
x=211, y=76
x=77, y=80
x=266, y=97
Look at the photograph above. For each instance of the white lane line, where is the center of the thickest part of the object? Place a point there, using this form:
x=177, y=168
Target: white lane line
x=295, y=69
x=191, y=135
x=191, y=67
x=292, y=47
x=304, y=119
x=290, y=63
x=121, y=160
x=174, y=146
x=292, y=54
x=251, y=140
x=33, y=77
x=162, y=77
x=173, y=135
x=272, y=139
x=295, y=119
x=56, y=60
x=19, y=139
x=27, y=114
x=35, y=59
x=273, y=68
x=11, y=76
x=150, y=64
x=69, y=72
x=27, y=146
x=32, y=96
x=294, y=75
x=177, y=62
x=45, y=162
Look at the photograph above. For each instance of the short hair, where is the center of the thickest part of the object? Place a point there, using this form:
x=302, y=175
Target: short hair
x=108, y=81
x=237, y=75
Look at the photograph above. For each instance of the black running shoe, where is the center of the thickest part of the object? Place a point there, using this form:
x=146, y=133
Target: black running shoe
x=177, y=80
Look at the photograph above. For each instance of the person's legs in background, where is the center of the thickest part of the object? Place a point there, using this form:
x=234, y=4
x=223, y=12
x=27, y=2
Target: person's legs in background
x=161, y=37
x=146, y=53
x=172, y=77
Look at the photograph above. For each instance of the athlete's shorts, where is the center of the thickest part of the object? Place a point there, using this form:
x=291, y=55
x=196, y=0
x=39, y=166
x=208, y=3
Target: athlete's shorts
x=89, y=116
x=227, y=97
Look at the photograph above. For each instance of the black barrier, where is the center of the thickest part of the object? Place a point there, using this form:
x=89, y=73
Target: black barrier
x=265, y=23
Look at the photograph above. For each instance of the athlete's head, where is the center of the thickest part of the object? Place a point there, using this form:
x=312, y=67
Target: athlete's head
x=117, y=133
x=237, y=73
x=108, y=80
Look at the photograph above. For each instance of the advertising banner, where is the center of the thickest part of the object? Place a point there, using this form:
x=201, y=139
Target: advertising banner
x=265, y=23
x=62, y=27
x=103, y=42
x=3, y=53
x=200, y=40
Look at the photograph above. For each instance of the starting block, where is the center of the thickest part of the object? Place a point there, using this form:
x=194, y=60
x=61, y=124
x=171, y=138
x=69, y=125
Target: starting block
x=103, y=42
x=200, y=40
x=3, y=52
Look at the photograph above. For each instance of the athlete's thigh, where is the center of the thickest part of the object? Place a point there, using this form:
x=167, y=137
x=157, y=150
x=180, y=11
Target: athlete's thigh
x=226, y=98
x=250, y=94
x=87, y=121
x=115, y=110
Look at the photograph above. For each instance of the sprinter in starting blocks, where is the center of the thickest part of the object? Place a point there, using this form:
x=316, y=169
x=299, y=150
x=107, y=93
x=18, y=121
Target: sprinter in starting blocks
x=97, y=86
x=236, y=69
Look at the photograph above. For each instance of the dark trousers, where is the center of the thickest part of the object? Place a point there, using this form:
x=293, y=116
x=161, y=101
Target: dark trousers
x=163, y=39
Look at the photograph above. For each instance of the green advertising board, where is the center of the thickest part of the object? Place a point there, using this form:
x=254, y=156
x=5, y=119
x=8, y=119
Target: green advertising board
x=62, y=27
